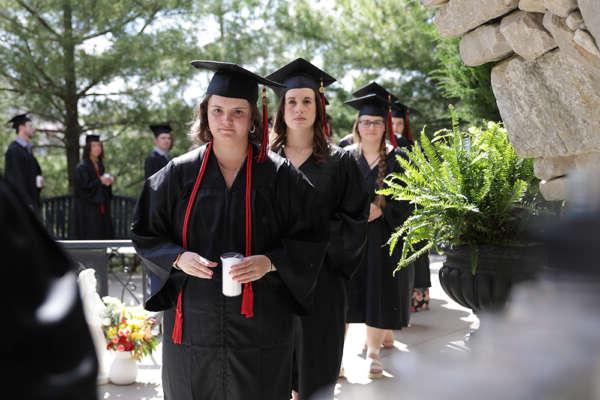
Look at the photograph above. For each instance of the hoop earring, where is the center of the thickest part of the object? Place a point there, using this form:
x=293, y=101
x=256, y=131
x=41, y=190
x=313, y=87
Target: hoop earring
x=253, y=129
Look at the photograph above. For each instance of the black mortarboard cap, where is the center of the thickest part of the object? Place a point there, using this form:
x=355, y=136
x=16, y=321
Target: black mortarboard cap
x=374, y=88
x=399, y=110
x=300, y=74
x=92, y=138
x=370, y=104
x=158, y=129
x=232, y=80
x=18, y=120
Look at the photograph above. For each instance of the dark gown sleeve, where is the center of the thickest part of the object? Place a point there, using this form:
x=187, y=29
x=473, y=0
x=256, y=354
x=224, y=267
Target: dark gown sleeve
x=89, y=186
x=348, y=226
x=303, y=247
x=48, y=333
x=395, y=212
x=151, y=236
x=15, y=167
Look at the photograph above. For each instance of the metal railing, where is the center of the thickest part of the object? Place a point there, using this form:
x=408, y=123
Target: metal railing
x=57, y=214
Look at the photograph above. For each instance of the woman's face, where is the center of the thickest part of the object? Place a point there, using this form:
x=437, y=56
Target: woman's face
x=300, y=110
x=371, y=128
x=95, y=149
x=229, y=119
x=398, y=124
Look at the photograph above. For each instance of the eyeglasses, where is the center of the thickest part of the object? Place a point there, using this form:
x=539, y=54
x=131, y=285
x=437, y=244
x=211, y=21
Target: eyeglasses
x=365, y=123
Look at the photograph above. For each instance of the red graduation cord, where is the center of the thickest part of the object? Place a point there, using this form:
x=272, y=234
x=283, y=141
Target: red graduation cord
x=101, y=207
x=407, y=132
x=390, y=123
x=262, y=154
x=248, y=294
x=324, y=107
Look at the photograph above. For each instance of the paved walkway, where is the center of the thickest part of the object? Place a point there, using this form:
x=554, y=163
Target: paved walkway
x=442, y=329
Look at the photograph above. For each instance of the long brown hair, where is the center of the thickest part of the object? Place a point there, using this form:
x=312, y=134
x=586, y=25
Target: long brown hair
x=200, y=131
x=87, y=149
x=320, y=145
x=382, y=166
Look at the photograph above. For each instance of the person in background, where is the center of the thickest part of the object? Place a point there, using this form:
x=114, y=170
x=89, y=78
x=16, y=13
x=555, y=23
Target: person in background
x=379, y=298
x=159, y=156
x=93, y=191
x=21, y=168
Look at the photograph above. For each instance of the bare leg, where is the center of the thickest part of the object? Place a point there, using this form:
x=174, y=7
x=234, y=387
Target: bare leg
x=388, y=340
x=374, y=341
x=295, y=395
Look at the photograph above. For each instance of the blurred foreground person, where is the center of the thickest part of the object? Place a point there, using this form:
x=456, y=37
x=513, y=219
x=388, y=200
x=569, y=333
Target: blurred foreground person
x=47, y=348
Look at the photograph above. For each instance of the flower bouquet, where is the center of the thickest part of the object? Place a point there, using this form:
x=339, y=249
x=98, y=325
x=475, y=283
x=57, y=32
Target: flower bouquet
x=128, y=328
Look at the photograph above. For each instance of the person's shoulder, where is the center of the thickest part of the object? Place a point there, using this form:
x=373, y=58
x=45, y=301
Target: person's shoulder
x=190, y=157
x=341, y=155
x=13, y=146
x=276, y=160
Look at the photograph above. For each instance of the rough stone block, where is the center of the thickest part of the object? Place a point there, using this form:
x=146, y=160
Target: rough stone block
x=526, y=34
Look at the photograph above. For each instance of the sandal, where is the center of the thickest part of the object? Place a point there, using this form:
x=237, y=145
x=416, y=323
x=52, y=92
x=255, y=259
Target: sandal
x=376, y=369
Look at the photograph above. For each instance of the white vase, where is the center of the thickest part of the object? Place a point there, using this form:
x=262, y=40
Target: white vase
x=123, y=370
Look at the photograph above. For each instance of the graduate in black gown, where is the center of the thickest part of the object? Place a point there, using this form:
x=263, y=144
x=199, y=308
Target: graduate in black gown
x=422, y=283
x=47, y=347
x=93, y=191
x=21, y=168
x=300, y=134
x=229, y=195
x=159, y=156
x=377, y=298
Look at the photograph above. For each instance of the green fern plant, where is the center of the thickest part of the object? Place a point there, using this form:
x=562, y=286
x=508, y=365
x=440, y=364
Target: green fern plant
x=467, y=188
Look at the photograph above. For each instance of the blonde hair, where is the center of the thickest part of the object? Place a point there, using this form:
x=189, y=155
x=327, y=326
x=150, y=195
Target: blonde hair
x=382, y=165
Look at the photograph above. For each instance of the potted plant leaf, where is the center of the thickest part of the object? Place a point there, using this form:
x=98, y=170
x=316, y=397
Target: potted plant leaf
x=473, y=199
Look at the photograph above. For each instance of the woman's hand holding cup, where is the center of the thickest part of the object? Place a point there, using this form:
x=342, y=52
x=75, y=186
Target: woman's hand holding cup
x=251, y=269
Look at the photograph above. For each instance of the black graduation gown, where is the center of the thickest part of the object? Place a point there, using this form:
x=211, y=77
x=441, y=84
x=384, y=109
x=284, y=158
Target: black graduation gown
x=47, y=348
x=346, y=141
x=223, y=355
x=21, y=169
x=89, y=222
x=403, y=142
x=421, y=264
x=344, y=206
x=154, y=162
x=378, y=298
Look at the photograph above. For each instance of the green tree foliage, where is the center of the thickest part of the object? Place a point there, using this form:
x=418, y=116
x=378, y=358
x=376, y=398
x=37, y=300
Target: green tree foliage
x=471, y=87
x=113, y=67
x=91, y=65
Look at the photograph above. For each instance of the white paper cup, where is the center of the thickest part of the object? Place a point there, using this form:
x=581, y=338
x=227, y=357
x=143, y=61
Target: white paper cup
x=231, y=288
x=39, y=181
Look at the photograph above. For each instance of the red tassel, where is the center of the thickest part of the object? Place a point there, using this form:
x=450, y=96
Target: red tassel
x=407, y=132
x=248, y=295
x=390, y=123
x=324, y=107
x=262, y=155
x=178, y=326
x=248, y=301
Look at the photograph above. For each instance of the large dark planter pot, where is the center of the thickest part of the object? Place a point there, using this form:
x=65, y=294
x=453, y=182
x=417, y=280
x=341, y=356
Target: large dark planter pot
x=498, y=269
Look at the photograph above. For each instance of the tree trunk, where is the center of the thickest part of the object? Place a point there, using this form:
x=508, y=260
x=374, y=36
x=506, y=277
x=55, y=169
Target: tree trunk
x=70, y=98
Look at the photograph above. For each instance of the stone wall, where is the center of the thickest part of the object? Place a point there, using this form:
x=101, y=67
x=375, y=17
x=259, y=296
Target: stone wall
x=546, y=76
